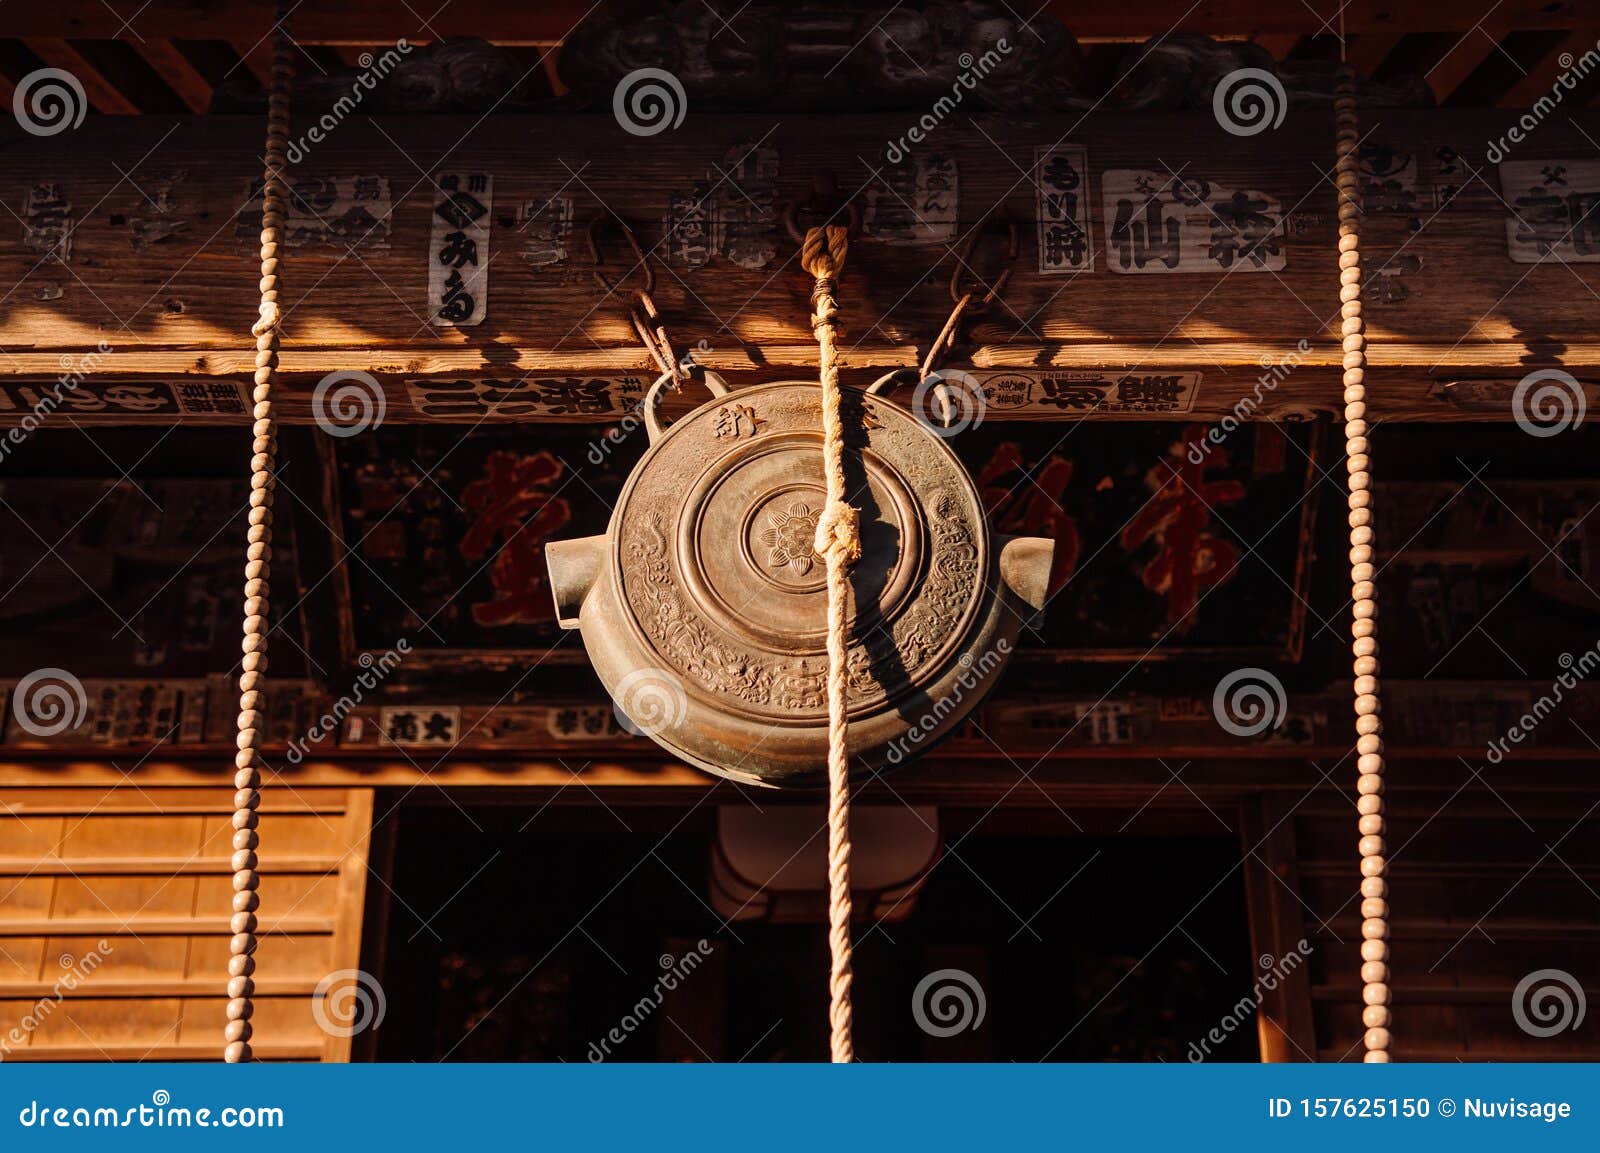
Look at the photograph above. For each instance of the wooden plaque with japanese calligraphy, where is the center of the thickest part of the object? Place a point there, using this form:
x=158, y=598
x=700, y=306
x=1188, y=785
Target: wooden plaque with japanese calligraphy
x=1158, y=222
x=458, y=258
x=915, y=201
x=1062, y=197
x=1551, y=210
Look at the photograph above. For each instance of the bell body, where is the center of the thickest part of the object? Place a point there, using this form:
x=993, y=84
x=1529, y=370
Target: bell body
x=704, y=607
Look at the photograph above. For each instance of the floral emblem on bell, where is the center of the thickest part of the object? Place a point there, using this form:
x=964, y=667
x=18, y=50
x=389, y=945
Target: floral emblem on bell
x=789, y=536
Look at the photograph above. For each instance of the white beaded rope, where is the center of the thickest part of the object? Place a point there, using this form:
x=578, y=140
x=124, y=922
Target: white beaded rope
x=263, y=452
x=1375, y=994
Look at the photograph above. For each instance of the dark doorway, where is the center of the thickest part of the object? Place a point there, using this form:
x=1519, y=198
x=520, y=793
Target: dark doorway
x=525, y=934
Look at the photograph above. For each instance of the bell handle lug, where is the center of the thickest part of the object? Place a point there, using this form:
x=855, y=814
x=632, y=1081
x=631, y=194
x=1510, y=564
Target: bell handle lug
x=892, y=379
x=1025, y=568
x=945, y=402
x=574, y=567
x=714, y=383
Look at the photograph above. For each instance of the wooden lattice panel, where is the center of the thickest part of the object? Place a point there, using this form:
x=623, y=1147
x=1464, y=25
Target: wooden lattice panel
x=114, y=906
x=1487, y=889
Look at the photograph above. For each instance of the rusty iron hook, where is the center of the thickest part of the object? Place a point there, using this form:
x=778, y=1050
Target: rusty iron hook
x=793, y=209
x=1013, y=246
x=640, y=257
x=642, y=314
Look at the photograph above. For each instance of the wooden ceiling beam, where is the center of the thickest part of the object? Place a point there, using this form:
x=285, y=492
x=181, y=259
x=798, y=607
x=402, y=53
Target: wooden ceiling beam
x=549, y=60
x=1542, y=77
x=511, y=20
x=1461, y=60
x=1366, y=51
x=1412, y=390
x=176, y=72
x=1462, y=309
x=103, y=95
x=1279, y=44
x=256, y=55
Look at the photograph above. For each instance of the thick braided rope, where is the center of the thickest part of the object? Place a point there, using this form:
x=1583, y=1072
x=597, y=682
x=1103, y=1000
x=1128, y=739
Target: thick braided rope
x=264, y=447
x=1363, y=591
x=838, y=539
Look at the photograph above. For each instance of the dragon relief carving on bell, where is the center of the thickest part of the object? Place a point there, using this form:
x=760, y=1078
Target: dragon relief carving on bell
x=706, y=589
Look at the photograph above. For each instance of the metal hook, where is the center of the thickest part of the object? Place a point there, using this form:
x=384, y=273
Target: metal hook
x=642, y=314
x=1013, y=246
x=944, y=395
x=791, y=219
x=641, y=259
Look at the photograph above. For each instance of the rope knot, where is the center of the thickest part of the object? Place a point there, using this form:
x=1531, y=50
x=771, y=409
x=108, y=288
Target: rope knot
x=271, y=317
x=822, y=255
x=839, y=527
x=823, y=250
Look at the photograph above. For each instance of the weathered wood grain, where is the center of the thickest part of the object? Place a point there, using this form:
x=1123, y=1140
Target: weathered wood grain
x=179, y=72
x=114, y=905
x=510, y=22
x=179, y=306
x=105, y=96
x=1480, y=904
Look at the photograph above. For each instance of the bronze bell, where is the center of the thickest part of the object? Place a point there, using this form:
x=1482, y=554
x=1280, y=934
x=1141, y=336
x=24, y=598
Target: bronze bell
x=703, y=607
